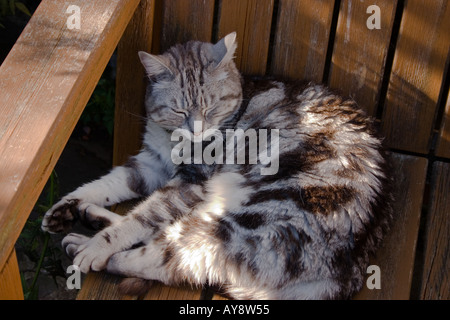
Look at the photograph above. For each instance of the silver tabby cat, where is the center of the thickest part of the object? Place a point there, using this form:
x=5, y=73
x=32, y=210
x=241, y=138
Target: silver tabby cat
x=304, y=232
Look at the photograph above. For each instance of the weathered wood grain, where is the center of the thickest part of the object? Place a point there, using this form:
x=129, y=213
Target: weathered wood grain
x=436, y=271
x=443, y=144
x=45, y=83
x=129, y=116
x=301, y=39
x=101, y=286
x=417, y=73
x=10, y=283
x=162, y=292
x=359, y=54
x=396, y=256
x=251, y=19
x=185, y=20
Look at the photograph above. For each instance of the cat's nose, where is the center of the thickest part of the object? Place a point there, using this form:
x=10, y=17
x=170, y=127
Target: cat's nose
x=195, y=125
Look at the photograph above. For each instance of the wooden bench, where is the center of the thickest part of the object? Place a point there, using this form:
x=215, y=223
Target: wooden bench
x=397, y=73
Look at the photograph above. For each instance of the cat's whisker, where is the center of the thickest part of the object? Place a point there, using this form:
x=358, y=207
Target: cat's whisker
x=138, y=116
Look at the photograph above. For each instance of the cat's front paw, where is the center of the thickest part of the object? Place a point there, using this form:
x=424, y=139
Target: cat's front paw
x=61, y=217
x=89, y=253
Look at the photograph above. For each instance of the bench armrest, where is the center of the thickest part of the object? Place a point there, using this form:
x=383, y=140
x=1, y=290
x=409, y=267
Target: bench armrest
x=45, y=83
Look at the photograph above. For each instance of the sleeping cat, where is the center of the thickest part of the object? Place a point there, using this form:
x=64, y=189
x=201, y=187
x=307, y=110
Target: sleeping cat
x=303, y=231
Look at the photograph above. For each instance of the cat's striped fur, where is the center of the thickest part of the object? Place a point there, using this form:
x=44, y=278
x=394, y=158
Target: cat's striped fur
x=305, y=232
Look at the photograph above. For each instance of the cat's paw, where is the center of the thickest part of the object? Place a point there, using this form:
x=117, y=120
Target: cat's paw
x=89, y=253
x=62, y=216
x=72, y=242
x=96, y=217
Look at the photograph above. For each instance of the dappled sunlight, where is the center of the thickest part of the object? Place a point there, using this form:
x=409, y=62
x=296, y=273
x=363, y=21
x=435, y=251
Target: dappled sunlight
x=213, y=209
x=47, y=39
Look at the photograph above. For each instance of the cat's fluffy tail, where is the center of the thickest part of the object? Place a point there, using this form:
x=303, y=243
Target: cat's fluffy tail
x=135, y=286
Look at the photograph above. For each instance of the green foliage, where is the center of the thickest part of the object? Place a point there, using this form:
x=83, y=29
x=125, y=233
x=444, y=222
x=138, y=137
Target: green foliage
x=36, y=244
x=99, y=111
x=11, y=8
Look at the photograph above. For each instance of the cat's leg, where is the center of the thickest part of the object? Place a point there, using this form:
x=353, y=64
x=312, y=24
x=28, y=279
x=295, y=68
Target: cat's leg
x=141, y=224
x=97, y=217
x=71, y=243
x=109, y=189
x=137, y=226
x=146, y=262
x=93, y=253
x=89, y=214
x=137, y=178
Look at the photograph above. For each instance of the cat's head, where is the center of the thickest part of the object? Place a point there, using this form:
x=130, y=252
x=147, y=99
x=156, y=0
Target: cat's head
x=196, y=81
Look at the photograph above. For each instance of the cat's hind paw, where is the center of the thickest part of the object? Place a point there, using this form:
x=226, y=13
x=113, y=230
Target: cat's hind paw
x=89, y=253
x=72, y=242
x=61, y=217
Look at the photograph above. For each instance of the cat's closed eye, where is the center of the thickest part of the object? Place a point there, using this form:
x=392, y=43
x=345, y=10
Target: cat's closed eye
x=182, y=113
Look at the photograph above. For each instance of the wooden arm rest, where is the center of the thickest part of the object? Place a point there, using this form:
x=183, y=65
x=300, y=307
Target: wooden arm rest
x=45, y=83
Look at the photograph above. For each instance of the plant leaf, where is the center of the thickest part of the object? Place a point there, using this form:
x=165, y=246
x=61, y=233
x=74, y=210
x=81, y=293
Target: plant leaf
x=12, y=7
x=3, y=7
x=21, y=7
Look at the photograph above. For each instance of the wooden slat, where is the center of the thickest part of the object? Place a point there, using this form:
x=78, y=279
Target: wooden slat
x=101, y=286
x=251, y=19
x=301, y=38
x=10, y=283
x=436, y=279
x=186, y=20
x=417, y=72
x=162, y=292
x=396, y=256
x=45, y=83
x=443, y=146
x=359, y=54
x=130, y=83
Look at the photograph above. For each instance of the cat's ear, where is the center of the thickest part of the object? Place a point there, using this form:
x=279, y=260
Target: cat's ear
x=154, y=65
x=223, y=51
